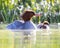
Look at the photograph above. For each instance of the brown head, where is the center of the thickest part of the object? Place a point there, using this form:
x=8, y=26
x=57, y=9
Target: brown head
x=27, y=15
x=46, y=22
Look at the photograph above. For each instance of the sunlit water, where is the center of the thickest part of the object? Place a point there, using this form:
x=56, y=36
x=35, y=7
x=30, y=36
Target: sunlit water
x=42, y=39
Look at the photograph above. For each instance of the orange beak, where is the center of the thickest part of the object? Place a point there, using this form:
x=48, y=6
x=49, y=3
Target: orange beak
x=37, y=14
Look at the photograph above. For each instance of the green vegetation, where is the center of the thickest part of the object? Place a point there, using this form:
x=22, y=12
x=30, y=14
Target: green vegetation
x=10, y=10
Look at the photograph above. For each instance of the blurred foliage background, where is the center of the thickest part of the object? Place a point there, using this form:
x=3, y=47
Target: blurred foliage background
x=10, y=10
